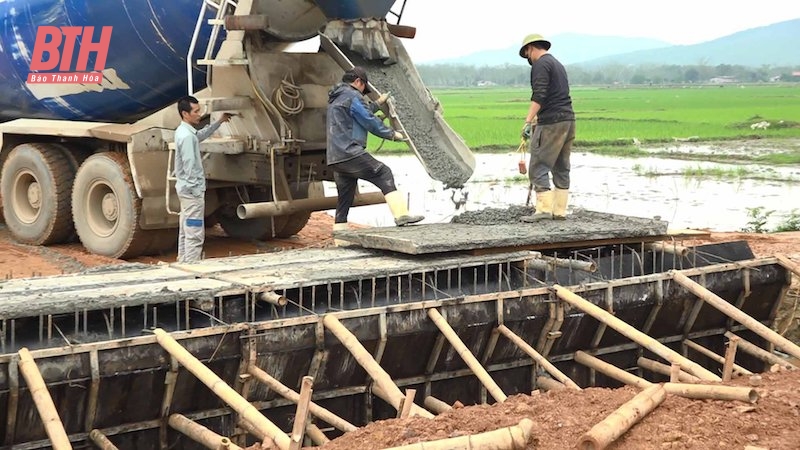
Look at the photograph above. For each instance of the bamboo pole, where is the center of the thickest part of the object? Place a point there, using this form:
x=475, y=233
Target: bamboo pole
x=657, y=367
x=510, y=438
x=43, y=401
x=538, y=358
x=388, y=390
x=737, y=314
x=621, y=420
x=788, y=263
x=316, y=435
x=549, y=384
x=758, y=352
x=673, y=249
x=635, y=335
x=694, y=391
x=434, y=404
x=101, y=441
x=200, y=434
x=730, y=357
x=287, y=393
x=408, y=402
x=467, y=356
x=222, y=390
x=720, y=359
x=301, y=415
x=712, y=392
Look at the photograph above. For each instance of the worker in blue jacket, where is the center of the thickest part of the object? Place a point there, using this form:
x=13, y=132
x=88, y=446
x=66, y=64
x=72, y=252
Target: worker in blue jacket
x=349, y=120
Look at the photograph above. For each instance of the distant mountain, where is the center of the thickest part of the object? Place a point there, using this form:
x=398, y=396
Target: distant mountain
x=569, y=48
x=774, y=45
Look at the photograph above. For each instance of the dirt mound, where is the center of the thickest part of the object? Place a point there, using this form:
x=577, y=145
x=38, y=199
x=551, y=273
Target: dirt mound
x=561, y=417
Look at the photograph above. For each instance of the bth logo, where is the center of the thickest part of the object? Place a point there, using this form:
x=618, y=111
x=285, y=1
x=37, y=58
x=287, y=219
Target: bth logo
x=49, y=40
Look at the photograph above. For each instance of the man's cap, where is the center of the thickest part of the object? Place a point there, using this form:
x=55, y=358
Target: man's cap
x=356, y=72
x=530, y=39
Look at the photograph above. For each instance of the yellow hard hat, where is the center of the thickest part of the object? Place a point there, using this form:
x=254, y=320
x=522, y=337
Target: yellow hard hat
x=531, y=38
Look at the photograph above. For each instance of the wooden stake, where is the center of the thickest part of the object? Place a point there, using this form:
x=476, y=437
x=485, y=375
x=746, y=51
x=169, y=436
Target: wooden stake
x=674, y=372
x=43, y=401
x=388, y=390
x=737, y=314
x=200, y=434
x=316, y=435
x=434, y=404
x=700, y=349
x=621, y=420
x=730, y=356
x=101, y=441
x=287, y=393
x=633, y=334
x=222, y=390
x=538, y=358
x=467, y=356
x=301, y=415
x=408, y=402
x=511, y=438
x=657, y=367
x=549, y=384
x=758, y=352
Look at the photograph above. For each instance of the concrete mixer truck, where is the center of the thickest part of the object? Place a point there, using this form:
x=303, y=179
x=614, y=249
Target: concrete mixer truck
x=90, y=158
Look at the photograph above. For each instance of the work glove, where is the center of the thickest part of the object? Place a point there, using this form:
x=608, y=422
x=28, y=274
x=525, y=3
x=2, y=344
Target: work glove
x=382, y=99
x=398, y=136
x=527, y=130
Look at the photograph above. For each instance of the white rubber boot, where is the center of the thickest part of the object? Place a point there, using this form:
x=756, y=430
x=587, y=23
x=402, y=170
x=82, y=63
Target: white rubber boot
x=560, y=199
x=544, y=207
x=397, y=205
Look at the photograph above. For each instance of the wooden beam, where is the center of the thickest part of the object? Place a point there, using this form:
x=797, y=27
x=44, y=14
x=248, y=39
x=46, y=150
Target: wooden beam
x=301, y=415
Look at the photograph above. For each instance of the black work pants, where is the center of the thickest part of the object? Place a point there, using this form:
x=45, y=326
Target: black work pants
x=347, y=173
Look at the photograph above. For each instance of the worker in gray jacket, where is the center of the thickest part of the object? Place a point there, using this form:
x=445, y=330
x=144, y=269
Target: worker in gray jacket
x=550, y=126
x=349, y=120
x=191, y=179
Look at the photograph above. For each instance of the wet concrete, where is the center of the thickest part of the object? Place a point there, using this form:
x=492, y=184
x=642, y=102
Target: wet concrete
x=580, y=227
x=444, y=155
x=493, y=216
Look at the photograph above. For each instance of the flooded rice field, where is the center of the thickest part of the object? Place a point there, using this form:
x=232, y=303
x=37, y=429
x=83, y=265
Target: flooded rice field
x=686, y=193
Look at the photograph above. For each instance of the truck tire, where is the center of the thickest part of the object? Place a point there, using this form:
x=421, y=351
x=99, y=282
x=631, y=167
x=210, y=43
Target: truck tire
x=36, y=184
x=292, y=224
x=106, y=209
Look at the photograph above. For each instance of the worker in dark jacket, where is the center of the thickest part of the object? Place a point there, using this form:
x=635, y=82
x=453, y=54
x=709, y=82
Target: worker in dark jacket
x=550, y=126
x=350, y=118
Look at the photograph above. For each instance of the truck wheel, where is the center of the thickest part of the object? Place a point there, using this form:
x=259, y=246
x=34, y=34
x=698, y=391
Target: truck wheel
x=105, y=207
x=36, y=184
x=293, y=223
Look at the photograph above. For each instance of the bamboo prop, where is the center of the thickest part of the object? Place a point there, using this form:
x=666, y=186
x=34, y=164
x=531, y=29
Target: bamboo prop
x=44, y=402
x=675, y=373
x=408, y=402
x=621, y=420
x=515, y=437
x=549, y=384
x=467, y=356
x=538, y=358
x=273, y=298
x=247, y=426
x=672, y=249
x=434, y=404
x=316, y=435
x=760, y=353
x=548, y=263
x=200, y=434
x=101, y=441
x=693, y=391
x=222, y=390
x=287, y=393
x=730, y=357
x=388, y=391
x=657, y=367
x=301, y=415
x=720, y=359
x=737, y=314
x=633, y=334
x=790, y=265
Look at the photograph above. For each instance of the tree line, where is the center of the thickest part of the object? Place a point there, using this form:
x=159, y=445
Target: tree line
x=454, y=75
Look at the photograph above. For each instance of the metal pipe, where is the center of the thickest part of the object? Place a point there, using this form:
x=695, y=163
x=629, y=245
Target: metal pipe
x=44, y=402
x=737, y=314
x=286, y=207
x=633, y=334
x=673, y=249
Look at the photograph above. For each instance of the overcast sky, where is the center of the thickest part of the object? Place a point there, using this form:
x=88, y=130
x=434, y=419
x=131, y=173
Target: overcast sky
x=449, y=28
